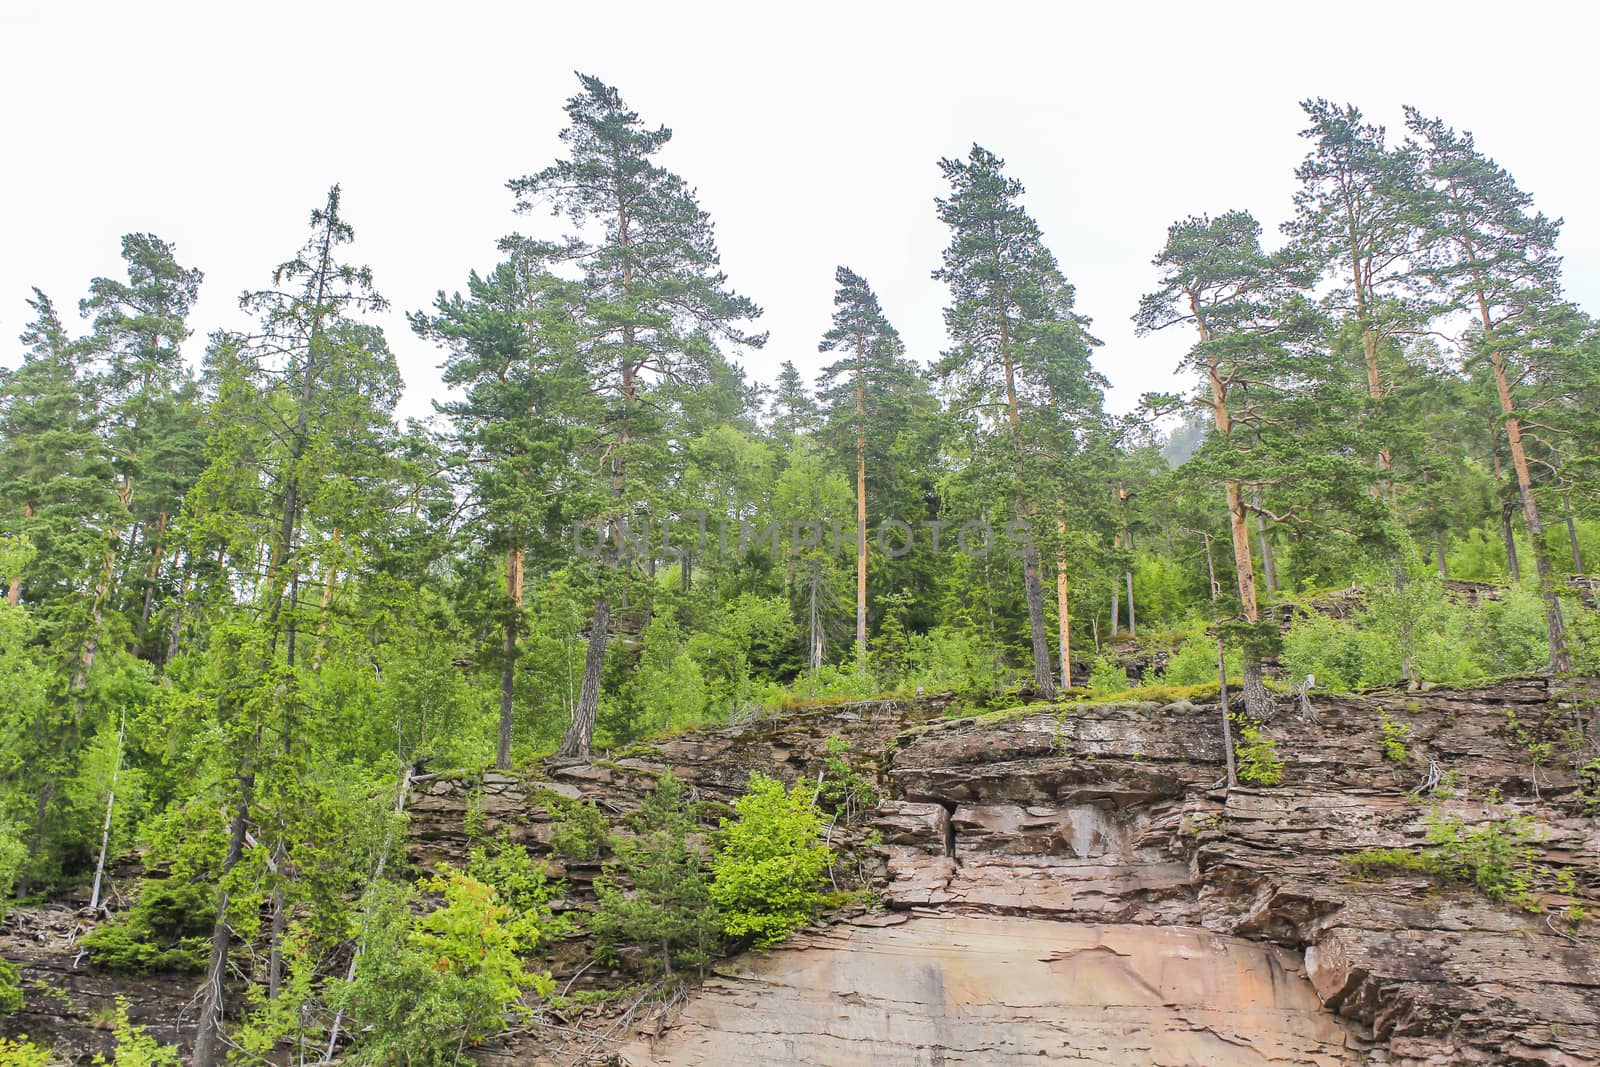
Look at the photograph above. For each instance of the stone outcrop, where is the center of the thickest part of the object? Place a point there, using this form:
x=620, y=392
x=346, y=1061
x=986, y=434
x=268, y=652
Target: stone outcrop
x=1004, y=990
x=1075, y=884
x=1011, y=836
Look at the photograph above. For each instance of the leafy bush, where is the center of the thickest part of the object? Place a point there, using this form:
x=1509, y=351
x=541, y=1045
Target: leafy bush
x=1338, y=654
x=134, y=1046
x=845, y=791
x=20, y=1052
x=1394, y=737
x=1585, y=634
x=580, y=832
x=168, y=929
x=1107, y=676
x=949, y=659
x=769, y=861
x=1258, y=755
x=656, y=894
x=1512, y=637
x=1496, y=857
x=523, y=887
x=430, y=985
x=1194, y=662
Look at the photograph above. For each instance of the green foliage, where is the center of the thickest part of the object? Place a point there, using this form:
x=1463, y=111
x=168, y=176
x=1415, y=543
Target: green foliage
x=430, y=985
x=845, y=791
x=580, y=831
x=20, y=1052
x=769, y=861
x=1497, y=857
x=1338, y=654
x=1259, y=763
x=135, y=1047
x=655, y=894
x=523, y=887
x=1107, y=676
x=1194, y=661
x=167, y=929
x=1394, y=736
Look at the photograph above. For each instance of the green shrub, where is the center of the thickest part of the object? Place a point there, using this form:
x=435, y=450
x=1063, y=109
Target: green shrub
x=1585, y=634
x=1511, y=633
x=845, y=791
x=168, y=929
x=1107, y=676
x=949, y=659
x=522, y=886
x=1338, y=654
x=1394, y=737
x=769, y=861
x=20, y=1052
x=655, y=894
x=580, y=833
x=1258, y=755
x=1194, y=660
x=135, y=1047
x=431, y=984
x=1497, y=858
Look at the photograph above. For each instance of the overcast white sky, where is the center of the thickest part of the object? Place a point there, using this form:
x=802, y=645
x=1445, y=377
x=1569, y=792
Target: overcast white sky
x=811, y=129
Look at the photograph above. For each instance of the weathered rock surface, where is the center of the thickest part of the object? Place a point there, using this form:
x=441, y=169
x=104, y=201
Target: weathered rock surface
x=997, y=990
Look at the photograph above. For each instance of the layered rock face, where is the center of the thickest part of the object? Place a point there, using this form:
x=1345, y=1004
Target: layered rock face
x=1081, y=888
x=1074, y=884
x=1005, y=990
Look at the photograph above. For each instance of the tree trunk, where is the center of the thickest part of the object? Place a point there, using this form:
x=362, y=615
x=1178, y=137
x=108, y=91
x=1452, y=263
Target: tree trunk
x=1032, y=587
x=508, y=666
x=1269, y=564
x=1043, y=677
x=1133, y=619
x=208, y=1028
x=1560, y=656
x=1572, y=539
x=1116, y=595
x=150, y=577
x=861, y=514
x=1063, y=606
x=14, y=589
x=1256, y=699
x=575, y=745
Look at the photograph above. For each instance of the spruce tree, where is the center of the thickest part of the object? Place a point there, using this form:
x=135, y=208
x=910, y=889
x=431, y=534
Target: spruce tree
x=55, y=473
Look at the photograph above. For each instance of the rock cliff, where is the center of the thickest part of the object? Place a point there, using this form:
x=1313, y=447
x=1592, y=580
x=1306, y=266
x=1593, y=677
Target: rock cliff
x=1074, y=884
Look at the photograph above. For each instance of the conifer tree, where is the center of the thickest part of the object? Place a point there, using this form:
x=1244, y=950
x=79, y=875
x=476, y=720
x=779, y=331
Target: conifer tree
x=656, y=305
x=300, y=397
x=139, y=328
x=1356, y=222
x=1216, y=276
x=1493, y=257
x=864, y=398
x=794, y=410
x=1016, y=341
x=512, y=350
x=55, y=475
